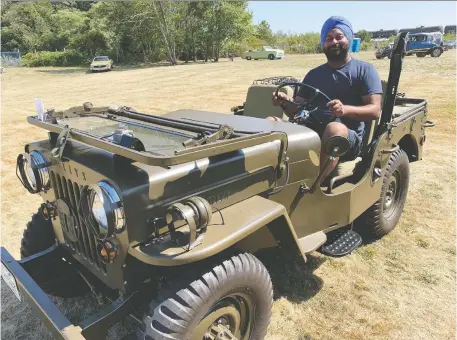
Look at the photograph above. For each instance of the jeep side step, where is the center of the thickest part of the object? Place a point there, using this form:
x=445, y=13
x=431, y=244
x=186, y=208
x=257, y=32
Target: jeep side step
x=340, y=243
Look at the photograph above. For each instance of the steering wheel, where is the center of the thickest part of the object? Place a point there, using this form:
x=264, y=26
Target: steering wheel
x=308, y=111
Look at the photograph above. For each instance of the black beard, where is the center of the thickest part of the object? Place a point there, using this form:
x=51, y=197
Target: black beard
x=337, y=54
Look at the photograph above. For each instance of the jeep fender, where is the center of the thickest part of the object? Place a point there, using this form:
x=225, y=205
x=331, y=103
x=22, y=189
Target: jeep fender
x=236, y=225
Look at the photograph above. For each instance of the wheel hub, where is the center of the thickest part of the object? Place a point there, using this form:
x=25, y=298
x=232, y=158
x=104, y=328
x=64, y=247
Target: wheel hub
x=219, y=325
x=219, y=332
x=391, y=193
x=230, y=318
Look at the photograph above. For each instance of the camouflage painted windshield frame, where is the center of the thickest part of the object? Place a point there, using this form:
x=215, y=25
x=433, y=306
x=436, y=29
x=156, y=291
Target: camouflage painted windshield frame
x=184, y=156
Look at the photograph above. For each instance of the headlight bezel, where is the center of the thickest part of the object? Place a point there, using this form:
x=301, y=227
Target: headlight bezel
x=113, y=209
x=36, y=162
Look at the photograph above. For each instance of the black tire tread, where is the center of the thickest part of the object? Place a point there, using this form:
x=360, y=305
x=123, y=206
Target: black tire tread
x=371, y=220
x=38, y=235
x=185, y=303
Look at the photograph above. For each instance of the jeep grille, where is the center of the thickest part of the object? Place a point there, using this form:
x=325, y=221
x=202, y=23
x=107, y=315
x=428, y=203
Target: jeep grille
x=85, y=246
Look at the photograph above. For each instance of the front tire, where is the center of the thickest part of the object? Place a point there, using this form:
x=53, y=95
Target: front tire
x=271, y=57
x=56, y=277
x=382, y=217
x=436, y=53
x=236, y=294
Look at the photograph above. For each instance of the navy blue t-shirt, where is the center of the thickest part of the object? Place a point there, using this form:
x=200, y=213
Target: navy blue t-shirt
x=348, y=84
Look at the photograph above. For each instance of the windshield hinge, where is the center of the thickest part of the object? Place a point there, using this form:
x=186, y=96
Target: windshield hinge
x=62, y=139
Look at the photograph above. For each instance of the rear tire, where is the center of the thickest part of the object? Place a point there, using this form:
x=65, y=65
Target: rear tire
x=248, y=58
x=56, y=277
x=237, y=293
x=382, y=217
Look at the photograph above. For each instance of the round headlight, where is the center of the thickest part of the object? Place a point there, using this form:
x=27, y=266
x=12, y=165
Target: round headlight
x=103, y=209
x=32, y=171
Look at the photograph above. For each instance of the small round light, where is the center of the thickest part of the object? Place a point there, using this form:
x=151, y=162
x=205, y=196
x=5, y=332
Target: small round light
x=107, y=251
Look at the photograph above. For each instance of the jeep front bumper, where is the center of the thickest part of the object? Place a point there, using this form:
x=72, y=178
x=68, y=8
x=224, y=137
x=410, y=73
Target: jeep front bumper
x=20, y=282
x=26, y=289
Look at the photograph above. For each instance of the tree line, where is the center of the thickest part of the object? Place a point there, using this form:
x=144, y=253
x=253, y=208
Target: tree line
x=72, y=32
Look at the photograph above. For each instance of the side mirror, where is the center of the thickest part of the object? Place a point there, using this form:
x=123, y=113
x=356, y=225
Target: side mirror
x=336, y=146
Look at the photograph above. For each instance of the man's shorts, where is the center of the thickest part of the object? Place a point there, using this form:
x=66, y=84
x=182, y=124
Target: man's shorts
x=355, y=141
x=355, y=146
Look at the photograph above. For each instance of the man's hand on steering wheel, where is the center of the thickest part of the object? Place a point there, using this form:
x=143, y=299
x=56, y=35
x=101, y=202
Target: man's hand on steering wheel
x=308, y=105
x=277, y=99
x=336, y=107
x=287, y=104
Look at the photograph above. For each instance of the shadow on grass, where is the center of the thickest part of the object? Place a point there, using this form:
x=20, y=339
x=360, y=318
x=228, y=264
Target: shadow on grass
x=128, y=67
x=65, y=70
x=291, y=276
x=165, y=64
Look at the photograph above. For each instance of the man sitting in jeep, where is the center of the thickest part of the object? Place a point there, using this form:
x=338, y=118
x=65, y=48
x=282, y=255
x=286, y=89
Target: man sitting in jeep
x=354, y=87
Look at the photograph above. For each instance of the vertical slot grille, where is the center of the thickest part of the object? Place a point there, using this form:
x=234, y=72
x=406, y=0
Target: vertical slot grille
x=86, y=244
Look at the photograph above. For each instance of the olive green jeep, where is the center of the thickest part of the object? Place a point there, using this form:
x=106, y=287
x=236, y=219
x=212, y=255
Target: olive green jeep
x=160, y=216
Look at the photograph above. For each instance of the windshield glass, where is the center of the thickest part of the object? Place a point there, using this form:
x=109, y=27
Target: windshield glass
x=155, y=138
x=101, y=59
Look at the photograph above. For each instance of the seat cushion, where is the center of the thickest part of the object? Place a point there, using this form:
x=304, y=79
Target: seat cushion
x=371, y=126
x=345, y=168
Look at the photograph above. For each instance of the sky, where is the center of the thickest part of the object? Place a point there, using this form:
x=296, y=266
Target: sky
x=308, y=16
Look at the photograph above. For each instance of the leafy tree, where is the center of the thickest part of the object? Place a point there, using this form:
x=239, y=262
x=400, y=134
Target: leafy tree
x=263, y=32
x=140, y=30
x=90, y=43
x=364, y=35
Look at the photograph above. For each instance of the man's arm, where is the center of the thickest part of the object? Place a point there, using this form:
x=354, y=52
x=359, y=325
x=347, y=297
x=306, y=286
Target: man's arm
x=370, y=110
x=371, y=99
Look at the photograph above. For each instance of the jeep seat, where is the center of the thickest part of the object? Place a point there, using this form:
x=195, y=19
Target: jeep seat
x=347, y=169
x=259, y=102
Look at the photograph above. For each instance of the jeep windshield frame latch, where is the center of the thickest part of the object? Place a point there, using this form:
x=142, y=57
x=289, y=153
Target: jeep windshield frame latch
x=224, y=132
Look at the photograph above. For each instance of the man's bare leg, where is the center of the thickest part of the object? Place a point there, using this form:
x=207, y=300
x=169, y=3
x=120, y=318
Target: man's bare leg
x=332, y=129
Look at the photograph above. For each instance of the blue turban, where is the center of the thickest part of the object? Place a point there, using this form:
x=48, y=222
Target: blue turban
x=342, y=24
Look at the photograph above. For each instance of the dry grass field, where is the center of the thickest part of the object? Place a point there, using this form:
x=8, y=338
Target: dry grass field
x=400, y=287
